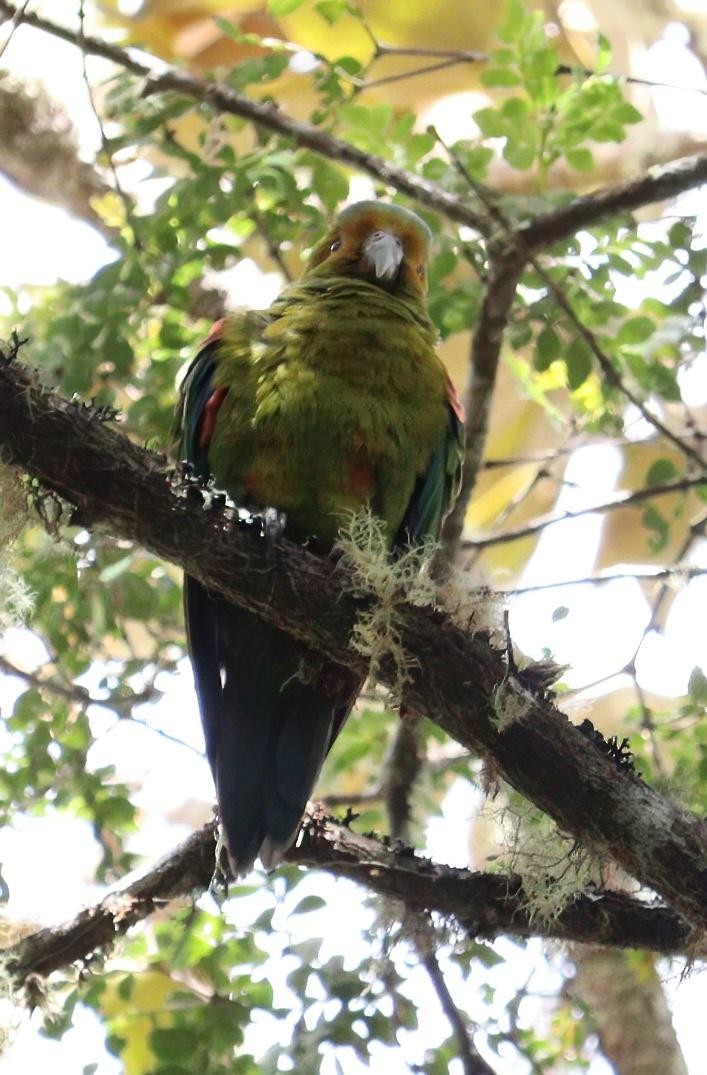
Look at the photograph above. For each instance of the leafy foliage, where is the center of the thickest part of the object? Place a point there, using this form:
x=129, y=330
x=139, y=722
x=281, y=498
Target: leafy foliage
x=251, y=986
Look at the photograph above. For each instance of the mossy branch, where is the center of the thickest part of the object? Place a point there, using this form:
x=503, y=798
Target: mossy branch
x=478, y=904
x=453, y=675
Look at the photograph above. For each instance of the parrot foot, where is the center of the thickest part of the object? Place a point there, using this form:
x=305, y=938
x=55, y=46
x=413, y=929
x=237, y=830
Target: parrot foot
x=273, y=524
x=218, y=885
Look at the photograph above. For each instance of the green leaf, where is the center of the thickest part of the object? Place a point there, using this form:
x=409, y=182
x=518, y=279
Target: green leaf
x=626, y=113
x=603, y=57
x=515, y=109
x=578, y=360
x=697, y=686
x=659, y=527
x=662, y=471
x=283, y=7
x=490, y=123
x=516, y=23
x=582, y=159
x=549, y=348
x=309, y=903
x=331, y=10
x=500, y=76
x=173, y=1043
x=519, y=155
x=636, y=330
x=231, y=29
x=663, y=380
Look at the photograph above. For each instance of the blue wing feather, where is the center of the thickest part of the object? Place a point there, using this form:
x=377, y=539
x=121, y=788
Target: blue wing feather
x=199, y=606
x=437, y=488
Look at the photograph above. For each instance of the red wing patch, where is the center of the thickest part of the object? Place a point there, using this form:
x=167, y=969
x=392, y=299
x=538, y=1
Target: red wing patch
x=454, y=400
x=215, y=333
x=208, y=419
x=359, y=480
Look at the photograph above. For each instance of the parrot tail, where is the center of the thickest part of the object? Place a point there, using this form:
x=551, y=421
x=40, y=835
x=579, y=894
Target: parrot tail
x=267, y=730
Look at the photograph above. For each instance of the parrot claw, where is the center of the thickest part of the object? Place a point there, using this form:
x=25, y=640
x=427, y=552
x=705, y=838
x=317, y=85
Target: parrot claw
x=273, y=523
x=218, y=885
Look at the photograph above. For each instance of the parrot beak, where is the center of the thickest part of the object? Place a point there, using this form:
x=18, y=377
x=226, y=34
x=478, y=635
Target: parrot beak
x=383, y=252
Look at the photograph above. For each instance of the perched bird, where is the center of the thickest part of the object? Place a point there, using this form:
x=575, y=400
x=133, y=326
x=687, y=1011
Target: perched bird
x=330, y=401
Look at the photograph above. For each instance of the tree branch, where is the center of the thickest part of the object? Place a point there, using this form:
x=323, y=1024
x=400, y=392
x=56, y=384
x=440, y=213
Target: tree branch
x=626, y=499
x=219, y=96
x=505, y=269
x=401, y=769
x=471, y=1060
x=666, y=574
x=458, y=679
x=484, y=904
x=661, y=182
x=658, y=184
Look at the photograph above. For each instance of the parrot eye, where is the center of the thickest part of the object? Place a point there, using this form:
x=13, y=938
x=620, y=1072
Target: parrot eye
x=335, y=245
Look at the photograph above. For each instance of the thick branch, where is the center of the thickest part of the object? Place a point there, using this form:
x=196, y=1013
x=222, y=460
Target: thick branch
x=504, y=273
x=626, y=1001
x=458, y=679
x=658, y=184
x=484, y=904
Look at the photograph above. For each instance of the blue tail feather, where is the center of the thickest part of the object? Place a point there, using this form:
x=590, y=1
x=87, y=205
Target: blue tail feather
x=267, y=732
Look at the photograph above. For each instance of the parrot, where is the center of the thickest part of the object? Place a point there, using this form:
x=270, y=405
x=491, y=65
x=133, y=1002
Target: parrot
x=330, y=402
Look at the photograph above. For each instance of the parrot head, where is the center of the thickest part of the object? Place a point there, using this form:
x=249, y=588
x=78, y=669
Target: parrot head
x=385, y=244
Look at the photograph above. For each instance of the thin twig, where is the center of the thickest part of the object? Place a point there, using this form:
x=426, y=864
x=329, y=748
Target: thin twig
x=674, y=573
x=432, y=766
x=105, y=145
x=272, y=247
x=659, y=183
x=472, y=1061
x=385, y=80
x=543, y=473
x=609, y=369
x=551, y=454
x=14, y=23
x=621, y=500
x=472, y=57
x=696, y=530
x=78, y=695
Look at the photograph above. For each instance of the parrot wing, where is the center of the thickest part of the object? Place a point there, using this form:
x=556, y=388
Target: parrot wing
x=268, y=722
x=190, y=442
x=438, y=487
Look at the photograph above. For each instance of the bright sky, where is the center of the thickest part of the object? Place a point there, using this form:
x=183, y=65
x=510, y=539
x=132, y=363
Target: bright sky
x=602, y=627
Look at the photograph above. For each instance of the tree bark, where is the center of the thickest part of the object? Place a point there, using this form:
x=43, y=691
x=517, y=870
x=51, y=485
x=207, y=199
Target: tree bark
x=626, y=999
x=484, y=904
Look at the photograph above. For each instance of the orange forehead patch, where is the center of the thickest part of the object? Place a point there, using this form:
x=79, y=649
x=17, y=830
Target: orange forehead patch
x=358, y=222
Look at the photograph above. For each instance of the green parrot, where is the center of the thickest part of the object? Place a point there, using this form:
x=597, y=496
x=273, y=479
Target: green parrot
x=331, y=401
